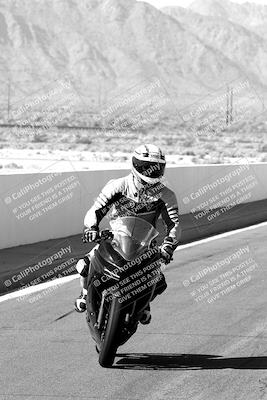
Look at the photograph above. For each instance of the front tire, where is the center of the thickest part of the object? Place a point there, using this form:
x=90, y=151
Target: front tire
x=109, y=345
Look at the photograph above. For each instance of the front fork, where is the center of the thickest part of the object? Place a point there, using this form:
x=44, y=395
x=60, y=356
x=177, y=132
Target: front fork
x=129, y=314
x=101, y=309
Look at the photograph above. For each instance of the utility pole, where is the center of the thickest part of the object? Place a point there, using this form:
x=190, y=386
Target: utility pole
x=229, y=106
x=99, y=94
x=8, y=99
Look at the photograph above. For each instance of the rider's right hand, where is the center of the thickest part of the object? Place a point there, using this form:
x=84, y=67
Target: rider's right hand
x=90, y=234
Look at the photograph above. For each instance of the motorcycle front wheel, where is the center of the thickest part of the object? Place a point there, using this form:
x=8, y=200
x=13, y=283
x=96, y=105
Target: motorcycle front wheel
x=108, y=348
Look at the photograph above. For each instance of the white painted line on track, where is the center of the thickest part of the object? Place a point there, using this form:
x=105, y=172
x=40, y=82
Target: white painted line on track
x=38, y=288
x=61, y=281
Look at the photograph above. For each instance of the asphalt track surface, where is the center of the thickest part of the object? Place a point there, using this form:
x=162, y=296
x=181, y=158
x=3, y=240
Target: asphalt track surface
x=192, y=350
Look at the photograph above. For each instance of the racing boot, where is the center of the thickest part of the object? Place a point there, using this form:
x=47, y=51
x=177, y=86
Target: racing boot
x=80, y=302
x=145, y=318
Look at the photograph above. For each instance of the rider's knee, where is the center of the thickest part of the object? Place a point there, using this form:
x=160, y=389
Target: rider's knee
x=161, y=286
x=82, y=266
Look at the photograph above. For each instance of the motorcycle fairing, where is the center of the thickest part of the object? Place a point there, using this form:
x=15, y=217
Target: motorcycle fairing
x=106, y=257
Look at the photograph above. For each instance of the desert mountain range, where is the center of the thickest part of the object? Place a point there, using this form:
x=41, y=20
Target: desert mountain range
x=106, y=47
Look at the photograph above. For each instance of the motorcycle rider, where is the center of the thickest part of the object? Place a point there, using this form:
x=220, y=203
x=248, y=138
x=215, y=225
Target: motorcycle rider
x=142, y=194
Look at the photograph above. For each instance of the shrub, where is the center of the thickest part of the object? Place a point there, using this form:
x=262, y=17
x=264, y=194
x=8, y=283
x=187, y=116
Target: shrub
x=13, y=166
x=82, y=139
x=189, y=153
x=40, y=138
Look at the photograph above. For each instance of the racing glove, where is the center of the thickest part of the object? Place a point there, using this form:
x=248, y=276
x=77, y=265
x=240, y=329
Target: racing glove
x=90, y=234
x=167, y=249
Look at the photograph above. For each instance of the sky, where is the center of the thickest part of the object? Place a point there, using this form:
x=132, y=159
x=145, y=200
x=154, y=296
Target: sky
x=185, y=3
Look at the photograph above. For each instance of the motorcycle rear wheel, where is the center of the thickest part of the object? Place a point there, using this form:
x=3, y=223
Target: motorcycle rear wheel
x=109, y=345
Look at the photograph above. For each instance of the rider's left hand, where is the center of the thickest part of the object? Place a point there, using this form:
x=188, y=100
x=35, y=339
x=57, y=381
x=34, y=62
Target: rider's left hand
x=167, y=249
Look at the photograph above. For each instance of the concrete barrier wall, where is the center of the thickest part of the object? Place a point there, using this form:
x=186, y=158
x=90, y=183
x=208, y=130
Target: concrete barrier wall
x=37, y=207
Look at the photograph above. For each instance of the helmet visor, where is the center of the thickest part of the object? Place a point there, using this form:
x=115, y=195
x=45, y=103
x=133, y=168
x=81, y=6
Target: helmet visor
x=149, y=169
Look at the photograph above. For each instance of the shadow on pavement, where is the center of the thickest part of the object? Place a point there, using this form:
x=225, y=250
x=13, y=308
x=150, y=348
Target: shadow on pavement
x=187, y=361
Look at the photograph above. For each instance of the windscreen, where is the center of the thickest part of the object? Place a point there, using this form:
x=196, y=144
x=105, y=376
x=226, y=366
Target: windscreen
x=131, y=235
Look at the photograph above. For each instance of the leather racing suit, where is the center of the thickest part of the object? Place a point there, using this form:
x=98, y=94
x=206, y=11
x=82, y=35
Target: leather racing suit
x=126, y=196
